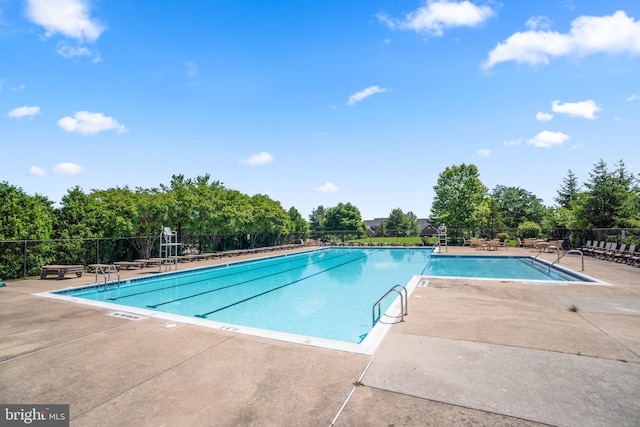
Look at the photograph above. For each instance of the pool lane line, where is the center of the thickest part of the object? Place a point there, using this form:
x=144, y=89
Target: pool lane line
x=206, y=270
x=244, y=282
x=281, y=286
x=214, y=278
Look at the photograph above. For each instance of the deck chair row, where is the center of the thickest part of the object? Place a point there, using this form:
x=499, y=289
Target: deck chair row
x=611, y=251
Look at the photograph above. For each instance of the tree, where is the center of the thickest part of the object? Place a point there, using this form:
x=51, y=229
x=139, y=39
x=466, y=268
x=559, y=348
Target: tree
x=317, y=218
x=401, y=223
x=78, y=216
x=269, y=220
x=297, y=224
x=568, y=190
x=517, y=205
x=414, y=224
x=344, y=216
x=397, y=222
x=24, y=217
x=461, y=198
x=605, y=197
x=78, y=219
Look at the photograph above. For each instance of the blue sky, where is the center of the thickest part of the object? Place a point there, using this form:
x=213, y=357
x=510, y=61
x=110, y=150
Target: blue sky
x=316, y=102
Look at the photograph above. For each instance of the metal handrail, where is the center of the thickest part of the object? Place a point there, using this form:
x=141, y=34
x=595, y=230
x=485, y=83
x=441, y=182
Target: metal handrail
x=566, y=253
x=107, y=275
x=403, y=303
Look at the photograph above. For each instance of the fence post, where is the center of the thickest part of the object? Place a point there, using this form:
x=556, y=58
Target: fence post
x=25, y=260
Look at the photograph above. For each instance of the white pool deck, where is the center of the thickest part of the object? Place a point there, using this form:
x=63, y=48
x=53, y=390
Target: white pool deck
x=470, y=352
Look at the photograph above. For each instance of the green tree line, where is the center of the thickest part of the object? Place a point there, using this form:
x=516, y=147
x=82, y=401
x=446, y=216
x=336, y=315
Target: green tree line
x=608, y=199
x=132, y=219
x=221, y=218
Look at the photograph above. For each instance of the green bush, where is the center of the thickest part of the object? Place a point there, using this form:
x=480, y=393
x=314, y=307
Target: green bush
x=529, y=229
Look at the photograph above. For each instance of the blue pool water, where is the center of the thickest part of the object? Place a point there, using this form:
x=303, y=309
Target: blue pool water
x=326, y=293
x=497, y=268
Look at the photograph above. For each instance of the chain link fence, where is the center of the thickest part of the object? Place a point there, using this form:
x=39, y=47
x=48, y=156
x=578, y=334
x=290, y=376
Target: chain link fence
x=23, y=258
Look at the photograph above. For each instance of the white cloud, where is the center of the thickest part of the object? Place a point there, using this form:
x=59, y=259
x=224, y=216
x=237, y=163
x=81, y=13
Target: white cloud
x=36, y=171
x=546, y=139
x=88, y=123
x=538, y=23
x=617, y=33
x=513, y=143
x=544, y=117
x=586, y=109
x=359, y=96
x=67, y=17
x=485, y=152
x=25, y=111
x=67, y=51
x=437, y=15
x=68, y=168
x=633, y=97
x=258, y=159
x=327, y=188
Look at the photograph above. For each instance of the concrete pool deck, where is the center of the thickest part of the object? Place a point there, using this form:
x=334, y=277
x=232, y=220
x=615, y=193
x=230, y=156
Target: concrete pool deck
x=470, y=352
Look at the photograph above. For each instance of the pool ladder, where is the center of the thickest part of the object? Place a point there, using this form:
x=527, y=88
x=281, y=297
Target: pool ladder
x=570, y=251
x=575, y=251
x=404, y=303
x=107, y=274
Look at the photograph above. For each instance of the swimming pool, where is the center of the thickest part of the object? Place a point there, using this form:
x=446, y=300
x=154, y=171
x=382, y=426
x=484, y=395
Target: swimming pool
x=322, y=297
x=324, y=294
x=499, y=267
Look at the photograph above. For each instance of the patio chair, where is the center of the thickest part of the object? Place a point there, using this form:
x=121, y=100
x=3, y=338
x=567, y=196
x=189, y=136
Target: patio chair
x=597, y=246
x=585, y=247
x=608, y=250
x=555, y=245
x=621, y=250
x=493, y=245
x=626, y=257
x=601, y=253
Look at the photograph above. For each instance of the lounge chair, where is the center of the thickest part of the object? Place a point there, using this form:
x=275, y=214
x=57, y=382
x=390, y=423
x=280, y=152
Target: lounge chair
x=622, y=249
x=129, y=264
x=626, y=257
x=586, y=247
x=61, y=270
x=596, y=247
x=589, y=247
x=601, y=253
x=632, y=256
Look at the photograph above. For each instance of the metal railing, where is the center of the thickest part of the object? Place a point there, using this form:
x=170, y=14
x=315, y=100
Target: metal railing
x=404, y=303
x=575, y=251
x=107, y=275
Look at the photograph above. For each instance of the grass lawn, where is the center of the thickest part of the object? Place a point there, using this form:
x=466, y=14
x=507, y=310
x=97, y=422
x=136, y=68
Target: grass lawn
x=389, y=240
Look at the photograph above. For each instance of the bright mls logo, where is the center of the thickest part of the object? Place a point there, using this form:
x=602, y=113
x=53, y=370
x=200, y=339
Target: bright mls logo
x=34, y=415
